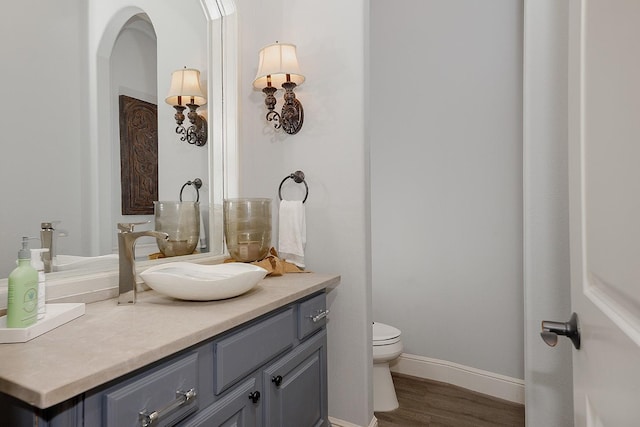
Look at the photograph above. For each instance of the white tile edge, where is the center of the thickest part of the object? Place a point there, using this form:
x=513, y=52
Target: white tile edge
x=485, y=382
x=56, y=315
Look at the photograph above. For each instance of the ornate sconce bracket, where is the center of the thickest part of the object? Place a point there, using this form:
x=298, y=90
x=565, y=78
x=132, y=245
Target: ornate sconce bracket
x=195, y=134
x=291, y=117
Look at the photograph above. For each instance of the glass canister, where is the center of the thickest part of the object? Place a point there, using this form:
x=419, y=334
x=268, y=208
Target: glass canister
x=181, y=221
x=247, y=228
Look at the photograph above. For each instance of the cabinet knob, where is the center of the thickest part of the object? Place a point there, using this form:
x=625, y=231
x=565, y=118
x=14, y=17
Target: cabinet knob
x=254, y=396
x=277, y=380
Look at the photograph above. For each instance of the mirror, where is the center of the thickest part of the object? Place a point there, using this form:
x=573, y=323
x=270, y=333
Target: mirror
x=68, y=167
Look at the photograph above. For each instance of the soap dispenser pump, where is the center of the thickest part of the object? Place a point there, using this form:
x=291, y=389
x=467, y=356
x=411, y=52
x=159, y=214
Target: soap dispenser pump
x=22, y=303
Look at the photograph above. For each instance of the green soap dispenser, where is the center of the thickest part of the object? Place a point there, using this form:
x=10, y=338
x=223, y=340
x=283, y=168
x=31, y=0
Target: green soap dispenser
x=22, y=304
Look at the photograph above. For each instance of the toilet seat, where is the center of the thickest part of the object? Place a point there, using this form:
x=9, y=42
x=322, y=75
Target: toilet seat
x=385, y=334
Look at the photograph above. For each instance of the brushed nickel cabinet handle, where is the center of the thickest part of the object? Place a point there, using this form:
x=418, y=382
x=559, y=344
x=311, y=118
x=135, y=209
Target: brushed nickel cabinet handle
x=147, y=418
x=320, y=314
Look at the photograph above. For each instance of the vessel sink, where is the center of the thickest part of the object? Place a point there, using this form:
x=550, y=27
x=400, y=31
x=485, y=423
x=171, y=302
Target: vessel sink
x=71, y=262
x=197, y=282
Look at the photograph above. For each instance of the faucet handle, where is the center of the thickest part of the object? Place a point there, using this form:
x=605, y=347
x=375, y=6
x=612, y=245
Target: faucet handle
x=127, y=227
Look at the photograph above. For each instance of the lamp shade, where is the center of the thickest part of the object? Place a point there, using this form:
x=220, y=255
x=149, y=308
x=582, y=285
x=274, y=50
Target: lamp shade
x=276, y=61
x=185, y=83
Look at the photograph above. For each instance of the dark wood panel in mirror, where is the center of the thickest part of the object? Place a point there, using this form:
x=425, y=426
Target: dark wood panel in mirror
x=138, y=155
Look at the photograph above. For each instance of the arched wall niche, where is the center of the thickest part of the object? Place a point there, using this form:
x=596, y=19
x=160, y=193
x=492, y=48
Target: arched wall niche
x=133, y=73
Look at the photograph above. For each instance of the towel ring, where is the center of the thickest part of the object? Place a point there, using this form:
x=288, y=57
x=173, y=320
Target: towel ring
x=197, y=183
x=298, y=177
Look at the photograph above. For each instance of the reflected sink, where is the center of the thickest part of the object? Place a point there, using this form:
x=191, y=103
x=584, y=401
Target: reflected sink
x=71, y=262
x=197, y=282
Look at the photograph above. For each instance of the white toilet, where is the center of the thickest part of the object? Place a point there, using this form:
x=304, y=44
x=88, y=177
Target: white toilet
x=386, y=347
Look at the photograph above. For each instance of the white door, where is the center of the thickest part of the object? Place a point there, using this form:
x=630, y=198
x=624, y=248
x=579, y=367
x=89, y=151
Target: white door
x=604, y=170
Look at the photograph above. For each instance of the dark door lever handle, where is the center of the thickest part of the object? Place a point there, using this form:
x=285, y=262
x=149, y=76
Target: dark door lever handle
x=551, y=330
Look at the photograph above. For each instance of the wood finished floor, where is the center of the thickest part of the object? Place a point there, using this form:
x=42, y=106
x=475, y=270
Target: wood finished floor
x=434, y=404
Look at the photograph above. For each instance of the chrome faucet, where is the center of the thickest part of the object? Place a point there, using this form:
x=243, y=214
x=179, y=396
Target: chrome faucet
x=126, y=255
x=46, y=237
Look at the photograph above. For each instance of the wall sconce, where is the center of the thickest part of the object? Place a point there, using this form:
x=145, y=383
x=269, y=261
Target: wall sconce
x=185, y=92
x=278, y=67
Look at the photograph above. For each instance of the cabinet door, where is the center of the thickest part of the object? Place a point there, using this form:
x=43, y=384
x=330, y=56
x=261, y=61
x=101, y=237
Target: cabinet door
x=239, y=407
x=296, y=387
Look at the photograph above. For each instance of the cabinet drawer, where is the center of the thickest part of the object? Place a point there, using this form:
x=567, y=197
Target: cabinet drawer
x=156, y=391
x=244, y=351
x=310, y=315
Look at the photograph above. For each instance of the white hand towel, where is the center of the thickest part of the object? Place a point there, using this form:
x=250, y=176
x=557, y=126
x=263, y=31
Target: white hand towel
x=292, y=232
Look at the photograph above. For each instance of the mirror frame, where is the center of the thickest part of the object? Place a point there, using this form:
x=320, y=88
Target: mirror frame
x=222, y=153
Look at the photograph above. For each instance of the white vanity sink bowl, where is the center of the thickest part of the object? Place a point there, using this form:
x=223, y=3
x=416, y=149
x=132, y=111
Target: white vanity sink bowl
x=197, y=282
x=71, y=262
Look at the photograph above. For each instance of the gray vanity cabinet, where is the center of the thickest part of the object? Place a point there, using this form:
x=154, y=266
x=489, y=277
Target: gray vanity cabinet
x=295, y=386
x=15, y=413
x=271, y=373
x=239, y=407
x=267, y=372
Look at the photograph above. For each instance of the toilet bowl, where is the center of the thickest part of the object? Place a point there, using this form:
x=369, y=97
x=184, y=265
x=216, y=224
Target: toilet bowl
x=386, y=347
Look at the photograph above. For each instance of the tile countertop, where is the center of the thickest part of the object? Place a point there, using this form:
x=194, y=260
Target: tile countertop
x=110, y=340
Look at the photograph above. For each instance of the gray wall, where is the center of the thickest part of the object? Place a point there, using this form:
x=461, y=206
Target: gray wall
x=43, y=76
x=331, y=150
x=446, y=178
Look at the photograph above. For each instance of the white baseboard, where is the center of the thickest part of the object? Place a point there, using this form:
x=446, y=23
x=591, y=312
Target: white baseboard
x=340, y=423
x=489, y=383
